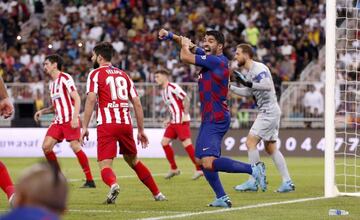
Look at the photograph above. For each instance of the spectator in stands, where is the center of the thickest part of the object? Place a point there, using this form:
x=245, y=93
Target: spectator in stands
x=313, y=103
x=272, y=26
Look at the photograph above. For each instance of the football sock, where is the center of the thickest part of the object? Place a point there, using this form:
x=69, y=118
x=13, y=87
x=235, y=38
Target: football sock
x=191, y=152
x=169, y=153
x=254, y=157
x=84, y=162
x=5, y=181
x=145, y=176
x=51, y=158
x=213, y=179
x=280, y=164
x=108, y=176
x=225, y=164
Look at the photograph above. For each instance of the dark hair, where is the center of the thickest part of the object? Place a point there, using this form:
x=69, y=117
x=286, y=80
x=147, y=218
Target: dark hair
x=55, y=58
x=246, y=48
x=219, y=37
x=162, y=71
x=105, y=49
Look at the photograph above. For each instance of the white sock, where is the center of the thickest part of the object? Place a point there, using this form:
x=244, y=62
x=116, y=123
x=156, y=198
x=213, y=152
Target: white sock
x=280, y=164
x=254, y=157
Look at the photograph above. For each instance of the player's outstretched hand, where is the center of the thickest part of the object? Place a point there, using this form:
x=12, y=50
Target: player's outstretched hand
x=74, y=123
x=163, y=34
x=6, y=108
x=84, y=134
x=142, y=139
x=240, y=78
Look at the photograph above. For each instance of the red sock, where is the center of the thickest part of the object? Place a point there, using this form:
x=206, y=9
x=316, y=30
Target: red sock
x=169, y=152
x=108, y=176
x=5, y=181
x=145, y=176
x=51, y=158
x=83, y=160
x=191, y=152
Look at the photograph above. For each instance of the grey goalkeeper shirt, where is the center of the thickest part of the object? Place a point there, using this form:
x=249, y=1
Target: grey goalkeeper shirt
x=263, y=88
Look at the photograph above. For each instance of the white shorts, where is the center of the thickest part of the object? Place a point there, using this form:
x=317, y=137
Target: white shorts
x=266, y=126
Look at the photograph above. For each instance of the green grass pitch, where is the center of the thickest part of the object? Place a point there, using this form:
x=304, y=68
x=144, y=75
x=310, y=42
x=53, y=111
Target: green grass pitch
x=189, y=198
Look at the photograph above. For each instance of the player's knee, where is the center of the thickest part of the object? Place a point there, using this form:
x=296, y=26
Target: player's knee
x=46, y=148
x=75, y=146
x=207, y=164
x=131, y=160
x=198, y=161
x=248, y=144
x=270, y=149
x=164, y=142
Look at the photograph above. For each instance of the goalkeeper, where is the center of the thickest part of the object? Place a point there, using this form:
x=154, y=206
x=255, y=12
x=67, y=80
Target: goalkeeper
x=257, y=82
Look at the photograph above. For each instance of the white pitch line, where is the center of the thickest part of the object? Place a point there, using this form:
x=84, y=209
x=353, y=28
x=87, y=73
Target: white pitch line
x=234, y=208
x=126, y=211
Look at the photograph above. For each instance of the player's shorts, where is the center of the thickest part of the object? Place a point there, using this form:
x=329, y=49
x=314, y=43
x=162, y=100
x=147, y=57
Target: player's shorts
x=181, y=131
x=266, y=126
x=109, y=135
x=64, y=131
x=208, y=142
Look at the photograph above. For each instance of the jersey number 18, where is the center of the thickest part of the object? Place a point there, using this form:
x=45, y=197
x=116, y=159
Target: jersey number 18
x=118, y=87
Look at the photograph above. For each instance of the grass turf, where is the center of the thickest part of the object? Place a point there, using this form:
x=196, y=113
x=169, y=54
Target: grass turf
x=186, y=196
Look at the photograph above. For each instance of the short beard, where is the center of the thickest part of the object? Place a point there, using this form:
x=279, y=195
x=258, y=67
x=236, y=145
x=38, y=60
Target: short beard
x=96, y=65
x=241, y=64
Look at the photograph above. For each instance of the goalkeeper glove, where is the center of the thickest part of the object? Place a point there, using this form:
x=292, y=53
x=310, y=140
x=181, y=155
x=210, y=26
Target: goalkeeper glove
x=240, y=78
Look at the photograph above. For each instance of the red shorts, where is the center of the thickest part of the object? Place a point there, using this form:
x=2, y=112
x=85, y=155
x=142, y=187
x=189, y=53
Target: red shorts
x=63, y=131
x=181, y=131
x=108, y=135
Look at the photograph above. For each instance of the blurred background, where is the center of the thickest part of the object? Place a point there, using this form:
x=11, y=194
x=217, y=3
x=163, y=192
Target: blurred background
x=288, y=36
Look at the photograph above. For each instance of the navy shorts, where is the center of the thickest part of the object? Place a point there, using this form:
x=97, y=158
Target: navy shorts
x=208, y=142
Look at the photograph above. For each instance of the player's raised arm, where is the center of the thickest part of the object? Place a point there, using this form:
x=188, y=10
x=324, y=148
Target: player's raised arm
x=168, y=35
x=185, y=53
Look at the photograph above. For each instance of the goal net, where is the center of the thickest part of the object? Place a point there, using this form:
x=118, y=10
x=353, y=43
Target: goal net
x=342, y=108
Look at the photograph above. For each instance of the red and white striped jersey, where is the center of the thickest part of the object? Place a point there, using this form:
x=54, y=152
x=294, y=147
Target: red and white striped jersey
x=173, y=96
x=114, y=89
x=62, y=102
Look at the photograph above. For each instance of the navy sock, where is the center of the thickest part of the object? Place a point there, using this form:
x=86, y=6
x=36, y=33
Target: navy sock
x=228, y=165
x=214, y=181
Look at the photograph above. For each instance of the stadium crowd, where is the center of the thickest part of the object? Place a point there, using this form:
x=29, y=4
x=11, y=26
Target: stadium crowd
x=287, y=35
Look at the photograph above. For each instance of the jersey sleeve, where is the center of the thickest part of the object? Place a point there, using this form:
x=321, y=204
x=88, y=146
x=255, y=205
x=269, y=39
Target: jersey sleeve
x=208, y=61
x=179, y=92
x=262, y=75
x=132, y=90
x=70, y=84
x=92, y=82
x=262, y=81
x=199, y=51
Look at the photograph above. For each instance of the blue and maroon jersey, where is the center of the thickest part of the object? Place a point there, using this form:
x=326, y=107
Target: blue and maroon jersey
x=213, y=86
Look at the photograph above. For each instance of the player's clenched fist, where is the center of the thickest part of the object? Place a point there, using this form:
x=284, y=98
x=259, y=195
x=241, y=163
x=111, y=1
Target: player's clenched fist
x=6, y=108
x=163, y=34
